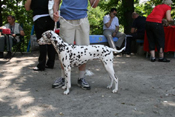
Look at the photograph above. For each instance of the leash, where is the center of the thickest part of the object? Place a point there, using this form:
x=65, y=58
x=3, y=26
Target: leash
x=55, y=27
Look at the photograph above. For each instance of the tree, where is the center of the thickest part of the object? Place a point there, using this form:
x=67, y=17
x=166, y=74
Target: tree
x=128, y=8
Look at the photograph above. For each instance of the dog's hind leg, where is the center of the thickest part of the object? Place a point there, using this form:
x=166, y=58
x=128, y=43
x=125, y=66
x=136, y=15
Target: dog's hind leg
x=109, y=68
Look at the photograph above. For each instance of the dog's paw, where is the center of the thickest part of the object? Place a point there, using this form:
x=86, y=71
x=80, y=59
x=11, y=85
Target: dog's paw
x=114, y=91
x=66, y=92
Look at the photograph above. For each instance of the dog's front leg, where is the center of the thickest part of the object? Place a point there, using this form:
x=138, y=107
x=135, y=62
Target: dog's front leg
x=67, y=81
x=116, y=85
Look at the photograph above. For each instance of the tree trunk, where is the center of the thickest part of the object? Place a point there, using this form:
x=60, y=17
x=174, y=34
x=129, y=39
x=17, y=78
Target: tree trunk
x=0, y=13
x=128, y=8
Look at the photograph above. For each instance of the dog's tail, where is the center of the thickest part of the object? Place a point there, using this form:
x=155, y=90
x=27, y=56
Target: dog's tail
x=118, y=51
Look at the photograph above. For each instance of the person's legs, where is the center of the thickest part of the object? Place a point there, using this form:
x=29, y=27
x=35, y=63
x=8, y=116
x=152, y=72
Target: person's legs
x=42, y=57
x=41, y=25
x=108, y=35
x=121, y=39
x=134, y=38
x=160, y=39
x=82, y=31
x=151, y=39
x=9, y=43
x=67, y=33
x=128, y=45
x=2, y=44
x=39, y=29
x=50, y=49
x=82, y=38
x=81, y=34
x=51, y=56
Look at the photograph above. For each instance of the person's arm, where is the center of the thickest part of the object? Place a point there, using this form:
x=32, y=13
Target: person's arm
x=168, y=16
x=117, y=29
x=133, y=30
x=94, y=3
x=22, y=33
x=108, y=24
x=27, y=5
x=55, y=10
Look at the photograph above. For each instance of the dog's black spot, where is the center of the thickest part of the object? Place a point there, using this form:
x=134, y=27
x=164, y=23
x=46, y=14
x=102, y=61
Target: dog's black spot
x=63, y=59
x=70, y=55
x=55, y=41
x=78, y=56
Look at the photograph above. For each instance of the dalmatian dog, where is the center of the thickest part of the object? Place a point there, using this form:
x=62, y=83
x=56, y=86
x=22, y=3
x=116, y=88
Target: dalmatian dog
x=76, y=55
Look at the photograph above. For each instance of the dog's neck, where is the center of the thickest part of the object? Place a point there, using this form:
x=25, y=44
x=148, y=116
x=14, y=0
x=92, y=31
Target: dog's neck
x=59, y=44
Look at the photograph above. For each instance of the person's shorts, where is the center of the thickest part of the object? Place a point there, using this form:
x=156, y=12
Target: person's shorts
x=75, y=30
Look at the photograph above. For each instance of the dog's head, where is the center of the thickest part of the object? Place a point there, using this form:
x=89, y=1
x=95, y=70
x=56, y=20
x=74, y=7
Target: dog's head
x=43, y=41
x=50, y=37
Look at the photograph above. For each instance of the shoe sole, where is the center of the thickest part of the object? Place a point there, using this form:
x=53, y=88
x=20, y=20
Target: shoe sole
x=57, y=86
x=85, y=88
x=37, y=70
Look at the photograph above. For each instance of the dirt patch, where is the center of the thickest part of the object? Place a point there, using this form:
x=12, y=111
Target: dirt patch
x=146, y=89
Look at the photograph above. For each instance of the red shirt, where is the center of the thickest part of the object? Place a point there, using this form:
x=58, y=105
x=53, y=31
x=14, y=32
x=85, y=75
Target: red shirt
x=158, y=13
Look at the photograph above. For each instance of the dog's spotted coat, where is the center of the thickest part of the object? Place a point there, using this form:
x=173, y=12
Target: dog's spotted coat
x=75, y=55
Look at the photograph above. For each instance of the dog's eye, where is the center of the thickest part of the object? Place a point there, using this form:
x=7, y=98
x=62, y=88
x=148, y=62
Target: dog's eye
x=49, y=35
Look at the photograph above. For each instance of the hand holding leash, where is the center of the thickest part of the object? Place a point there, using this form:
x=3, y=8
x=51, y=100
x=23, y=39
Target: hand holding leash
x=56, y=16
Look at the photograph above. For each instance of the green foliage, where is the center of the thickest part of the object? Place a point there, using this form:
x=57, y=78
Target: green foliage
x=145, y=9
x=95, y=16
x=14, y=7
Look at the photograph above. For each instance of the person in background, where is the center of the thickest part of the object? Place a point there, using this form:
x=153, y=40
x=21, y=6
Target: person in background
x=137, y=32
x=155, y=30
x=42, y=23
x=14, y=37
x=111, y=29
x=74, y=26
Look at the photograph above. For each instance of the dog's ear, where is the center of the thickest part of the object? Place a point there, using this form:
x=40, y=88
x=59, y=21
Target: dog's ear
x=49, y=34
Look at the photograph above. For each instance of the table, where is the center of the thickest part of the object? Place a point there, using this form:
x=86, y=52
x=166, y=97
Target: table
x=169, y=40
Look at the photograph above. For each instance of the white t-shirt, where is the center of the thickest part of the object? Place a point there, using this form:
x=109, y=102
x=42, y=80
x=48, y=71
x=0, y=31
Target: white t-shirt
x=39, y=16
x=114, y=23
